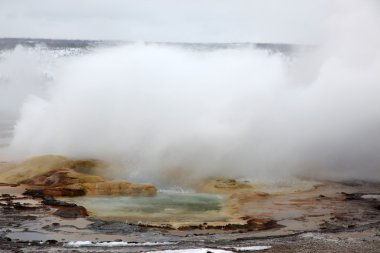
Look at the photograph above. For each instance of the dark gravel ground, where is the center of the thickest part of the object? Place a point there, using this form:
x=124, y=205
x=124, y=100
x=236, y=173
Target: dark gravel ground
x=26, y=225
x=359, y=239
x=294, y=243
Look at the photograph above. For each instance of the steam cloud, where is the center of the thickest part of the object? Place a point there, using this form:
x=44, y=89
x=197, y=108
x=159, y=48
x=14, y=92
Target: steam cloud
x=231, y=112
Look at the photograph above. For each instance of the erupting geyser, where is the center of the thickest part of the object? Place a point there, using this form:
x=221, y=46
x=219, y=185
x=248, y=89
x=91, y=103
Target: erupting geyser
x=241, y=112
x=255, y=123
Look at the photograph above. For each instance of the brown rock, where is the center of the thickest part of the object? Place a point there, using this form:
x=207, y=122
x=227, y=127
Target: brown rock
x=69, y=191
x=7, y=184
x=246, y=197
x=32, y=167
x=222, y=185
x=63, y=192
x=252, y=224
x=55, y=178
x=58, y=176
x=71, y=212
x=261, y=224
x=120, y=188
x=42, y=165
x=64, y=182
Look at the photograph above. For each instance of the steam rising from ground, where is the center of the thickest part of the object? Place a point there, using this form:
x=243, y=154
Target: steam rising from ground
x=22, y=72
x=231, y=112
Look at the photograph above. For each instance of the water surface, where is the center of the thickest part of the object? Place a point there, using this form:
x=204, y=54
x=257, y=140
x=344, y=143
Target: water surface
x=165, y=207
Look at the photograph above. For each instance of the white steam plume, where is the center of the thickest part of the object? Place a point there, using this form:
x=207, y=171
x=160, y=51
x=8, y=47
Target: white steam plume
x=23, y=71
x=232, y=112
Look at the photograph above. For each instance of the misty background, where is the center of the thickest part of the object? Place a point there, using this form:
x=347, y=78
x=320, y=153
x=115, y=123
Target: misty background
x=238, y=111
x=291, y=21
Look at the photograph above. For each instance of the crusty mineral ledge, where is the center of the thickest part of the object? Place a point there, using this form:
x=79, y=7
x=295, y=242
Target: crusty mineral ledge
x=119, y=188
x=58, y=176
x=223, y=185
x=15, y=173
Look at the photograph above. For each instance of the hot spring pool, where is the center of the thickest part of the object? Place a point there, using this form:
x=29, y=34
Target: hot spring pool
x=164, y=208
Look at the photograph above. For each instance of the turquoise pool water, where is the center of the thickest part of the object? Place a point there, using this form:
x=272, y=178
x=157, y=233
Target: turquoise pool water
x=164, y=207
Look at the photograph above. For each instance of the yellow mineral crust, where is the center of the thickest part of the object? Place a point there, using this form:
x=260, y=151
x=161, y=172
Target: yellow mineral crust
x=119, y=188
x=59, y=176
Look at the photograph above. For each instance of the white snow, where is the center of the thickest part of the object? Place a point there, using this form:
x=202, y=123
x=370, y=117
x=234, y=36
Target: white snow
x=76, y=244
x=252, y=248
x=205, y=250
x=371, y=196
x=199, y=250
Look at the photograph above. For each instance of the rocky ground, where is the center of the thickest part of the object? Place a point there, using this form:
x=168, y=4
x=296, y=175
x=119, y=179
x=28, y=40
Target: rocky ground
x=303, y=216
x=34, y=224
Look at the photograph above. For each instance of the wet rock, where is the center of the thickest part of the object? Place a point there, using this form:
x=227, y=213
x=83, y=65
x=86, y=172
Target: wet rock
x=71, y=212
x=57, y=192
x=51, y=242
x=17, y=205
x=53, y=202
x=35, y=193
x=191, y=227
x=115, y=226
x=261, y=224
x=327, y=226
x=252, y=224
x=20, y=207
x=63, y=192
x=24, y=217
x=352, y=196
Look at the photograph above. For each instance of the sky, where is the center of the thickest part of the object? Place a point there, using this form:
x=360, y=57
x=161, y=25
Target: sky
x=290, y=21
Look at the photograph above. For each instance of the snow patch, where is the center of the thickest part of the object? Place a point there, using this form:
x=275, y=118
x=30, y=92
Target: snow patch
x=252, y=248
x=77, y=244
x=199, y=250
x=371, y=196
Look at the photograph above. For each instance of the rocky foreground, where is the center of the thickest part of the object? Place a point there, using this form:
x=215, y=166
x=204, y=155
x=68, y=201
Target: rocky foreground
x=301, y=216
x=58, y=176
